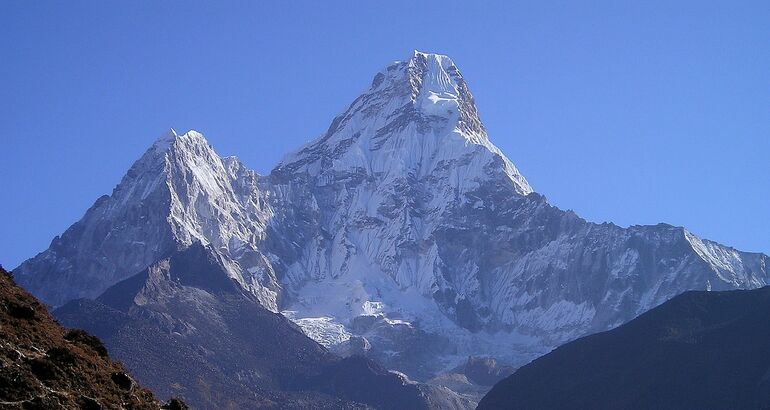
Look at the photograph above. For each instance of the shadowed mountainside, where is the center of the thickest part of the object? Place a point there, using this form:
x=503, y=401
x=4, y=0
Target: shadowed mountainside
x=44, y=366
x=187, y=329
x=701, y=350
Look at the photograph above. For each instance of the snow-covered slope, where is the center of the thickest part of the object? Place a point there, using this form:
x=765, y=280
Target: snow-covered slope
x=421, y=220
x=178, y=192
x=402, y=232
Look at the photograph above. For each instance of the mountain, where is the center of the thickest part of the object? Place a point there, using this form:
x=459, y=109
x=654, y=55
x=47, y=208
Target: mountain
x=180, y=191
x=185, y=328
x=44, y=366
x=700, y=350
x=401, y=233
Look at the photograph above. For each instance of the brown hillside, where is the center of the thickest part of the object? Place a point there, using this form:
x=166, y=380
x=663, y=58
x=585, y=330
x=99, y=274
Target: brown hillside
x=45, y=366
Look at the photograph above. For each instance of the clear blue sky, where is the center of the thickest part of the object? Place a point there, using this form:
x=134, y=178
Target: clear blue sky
x=634, y=112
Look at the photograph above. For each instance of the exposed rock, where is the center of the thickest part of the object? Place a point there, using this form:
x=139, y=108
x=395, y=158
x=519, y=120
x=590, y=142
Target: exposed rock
x=44, y=366
x=122, y=380
x=484, y=371
x=473, y=378
x=185, y=328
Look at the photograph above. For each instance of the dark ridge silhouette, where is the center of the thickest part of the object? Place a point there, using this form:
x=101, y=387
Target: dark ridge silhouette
x=700, y=350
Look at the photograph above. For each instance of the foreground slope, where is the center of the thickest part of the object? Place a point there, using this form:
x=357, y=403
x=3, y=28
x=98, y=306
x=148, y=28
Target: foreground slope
x=701, y=350
x=187, y=329
x=402, y=233
x=44, y=366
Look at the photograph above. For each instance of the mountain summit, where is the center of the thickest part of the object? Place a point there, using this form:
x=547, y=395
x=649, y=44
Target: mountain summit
x=401, y=233
x=180, y=191
x=418, y=117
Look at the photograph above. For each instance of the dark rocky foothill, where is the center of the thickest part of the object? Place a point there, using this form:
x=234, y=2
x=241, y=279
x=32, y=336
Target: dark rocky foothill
x=701, y=350
x=45, y=366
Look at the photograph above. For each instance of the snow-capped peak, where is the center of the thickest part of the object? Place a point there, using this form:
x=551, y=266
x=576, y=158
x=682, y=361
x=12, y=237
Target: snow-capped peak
x=431, y=82
x=439, y=83
x=171, y=138
x=418, y=115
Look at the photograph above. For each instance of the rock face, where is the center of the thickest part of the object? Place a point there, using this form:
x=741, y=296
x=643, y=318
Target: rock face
x=474, y=378
x=402, y=227
x=700, y=350
x=44, y=366
x=180, y=191
x=185, y=328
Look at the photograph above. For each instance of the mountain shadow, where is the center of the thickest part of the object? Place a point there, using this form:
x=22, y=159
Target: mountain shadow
x=701, y=350
x=187, y=329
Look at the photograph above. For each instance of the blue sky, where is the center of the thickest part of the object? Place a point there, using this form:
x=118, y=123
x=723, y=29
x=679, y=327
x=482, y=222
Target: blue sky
x=631, y=112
